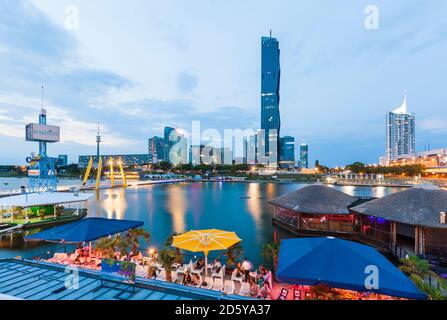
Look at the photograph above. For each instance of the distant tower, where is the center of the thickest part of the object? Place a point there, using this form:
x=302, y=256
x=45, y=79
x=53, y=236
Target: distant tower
x=270, y=85
x=98, y=141
x=400, y=132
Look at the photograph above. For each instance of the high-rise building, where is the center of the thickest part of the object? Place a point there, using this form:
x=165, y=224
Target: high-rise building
x=156, y=148
x=287, y=152
x=270, y=84
x=175, y=146
x=400, y=132
x=167, y=143
x=304, y=156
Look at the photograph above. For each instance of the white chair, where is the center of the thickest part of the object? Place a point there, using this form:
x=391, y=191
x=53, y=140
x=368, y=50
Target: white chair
x=219, y=275
x=235, y=278
x=245, y=289
x=180, y=270
x=141, y=271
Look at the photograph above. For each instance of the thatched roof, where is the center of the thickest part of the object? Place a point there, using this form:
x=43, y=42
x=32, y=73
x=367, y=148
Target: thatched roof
x=316, y=199
x=418, y=206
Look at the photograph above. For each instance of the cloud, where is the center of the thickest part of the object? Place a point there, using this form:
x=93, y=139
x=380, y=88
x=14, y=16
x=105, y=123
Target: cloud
x=434, y=123
x=186, y=82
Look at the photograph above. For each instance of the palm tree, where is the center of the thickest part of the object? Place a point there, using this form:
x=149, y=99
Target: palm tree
x=167, y=259
x=419, y=270
x=178, y=254
x=271, y=252
x=106, y=246
x=233, y=253
x=133, y=237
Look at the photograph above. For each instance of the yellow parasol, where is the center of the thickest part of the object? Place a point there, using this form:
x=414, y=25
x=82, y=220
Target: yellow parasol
x=205, y=241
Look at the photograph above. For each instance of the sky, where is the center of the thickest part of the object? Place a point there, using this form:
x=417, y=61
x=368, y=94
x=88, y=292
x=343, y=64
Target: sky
x=137, y=66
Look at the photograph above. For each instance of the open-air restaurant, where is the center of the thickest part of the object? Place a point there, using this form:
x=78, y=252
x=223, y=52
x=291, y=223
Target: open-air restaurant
x=304, y=268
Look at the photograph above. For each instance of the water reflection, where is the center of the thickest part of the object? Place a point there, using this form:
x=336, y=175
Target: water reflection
x=253, y=202
x=240, y=207
x=114, y=203
x=177, y=207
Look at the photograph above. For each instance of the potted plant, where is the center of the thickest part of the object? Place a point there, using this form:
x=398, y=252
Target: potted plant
x=167, y=259
x=168, y=243
x=233, y=253
x=133, y=239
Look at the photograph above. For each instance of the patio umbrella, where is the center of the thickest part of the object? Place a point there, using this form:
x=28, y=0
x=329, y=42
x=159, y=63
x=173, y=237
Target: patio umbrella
x=341, y=264
x=205, y=241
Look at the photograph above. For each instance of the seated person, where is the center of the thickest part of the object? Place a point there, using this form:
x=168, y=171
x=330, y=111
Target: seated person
x=195, y=279
x=255, y=291
x=217, y=266
x=239, y=270
x=265, y=291
x=199, y=264
x=187, y=279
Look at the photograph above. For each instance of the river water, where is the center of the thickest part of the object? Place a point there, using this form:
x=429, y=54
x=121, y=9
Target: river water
x=232, y=206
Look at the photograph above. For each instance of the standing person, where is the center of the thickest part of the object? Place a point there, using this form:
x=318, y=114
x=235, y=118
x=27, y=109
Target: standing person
x=246, y=268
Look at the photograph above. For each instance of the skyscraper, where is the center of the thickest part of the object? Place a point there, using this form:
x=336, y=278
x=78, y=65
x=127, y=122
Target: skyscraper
x=156, y=148
x=400, y=132
x=175, y=146
x=167, y=143
x=304, y=156
x=270, y=84
x=287, y=152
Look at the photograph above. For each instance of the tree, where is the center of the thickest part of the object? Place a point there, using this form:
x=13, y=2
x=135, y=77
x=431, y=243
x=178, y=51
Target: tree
x=356, y=167
x=233, y=253
x=168, y=243
x=271, y=251
x=133, y=237
x=165, y=166
x=106, y=246
x=419, y=270
x=167, y=259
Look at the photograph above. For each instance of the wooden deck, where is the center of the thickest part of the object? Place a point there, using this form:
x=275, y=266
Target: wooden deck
x=43, y=281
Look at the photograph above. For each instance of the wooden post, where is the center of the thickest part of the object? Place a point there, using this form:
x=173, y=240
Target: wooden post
x=419, y=244
x=393, y=232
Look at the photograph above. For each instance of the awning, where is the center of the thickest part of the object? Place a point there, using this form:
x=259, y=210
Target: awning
x=43, y=199
x=85, y=230
x=341, y=264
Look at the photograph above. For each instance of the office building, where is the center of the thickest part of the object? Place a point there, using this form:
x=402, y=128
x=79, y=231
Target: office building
x=62, y=160
x=304, y=156
x=156, y=148
x=287, y=152
x=128, y=160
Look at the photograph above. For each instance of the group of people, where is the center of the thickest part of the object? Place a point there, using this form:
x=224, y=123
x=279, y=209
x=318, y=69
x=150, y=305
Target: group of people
x=260, y=281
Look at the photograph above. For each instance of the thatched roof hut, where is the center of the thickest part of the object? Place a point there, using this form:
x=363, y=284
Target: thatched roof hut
x=316, y=199
x=417, y=206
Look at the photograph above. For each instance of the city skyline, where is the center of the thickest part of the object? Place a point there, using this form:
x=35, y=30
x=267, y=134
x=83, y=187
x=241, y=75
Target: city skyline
x=338, y=78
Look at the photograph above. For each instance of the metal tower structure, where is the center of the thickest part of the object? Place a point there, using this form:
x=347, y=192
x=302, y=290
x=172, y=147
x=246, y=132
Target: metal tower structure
x=42, y=171
x=98, y=141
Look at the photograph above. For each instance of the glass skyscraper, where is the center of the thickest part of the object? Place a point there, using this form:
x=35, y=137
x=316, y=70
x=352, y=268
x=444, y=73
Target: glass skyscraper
x=270, y=83
x=400, y=132
x=287, y=149
x=167, y=143
x=304, y=156
x=156, y=148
